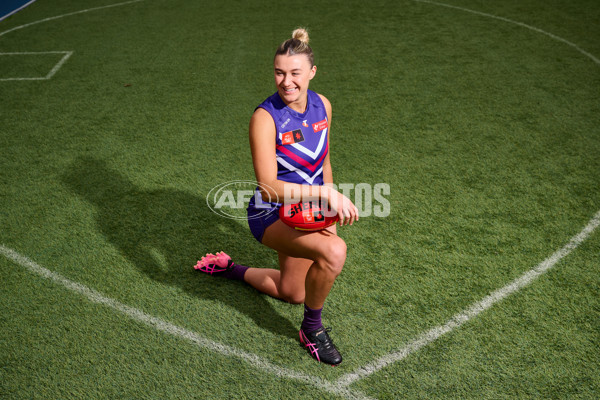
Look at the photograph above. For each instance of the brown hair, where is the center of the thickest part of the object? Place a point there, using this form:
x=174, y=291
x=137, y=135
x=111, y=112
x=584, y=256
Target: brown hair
x=298, y=44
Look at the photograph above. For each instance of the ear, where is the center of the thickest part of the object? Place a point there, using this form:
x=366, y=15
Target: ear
x=313, y=71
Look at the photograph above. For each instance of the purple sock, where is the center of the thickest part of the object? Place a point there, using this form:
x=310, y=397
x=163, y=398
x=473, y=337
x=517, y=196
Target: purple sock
x=312, y=319
x=236, y=272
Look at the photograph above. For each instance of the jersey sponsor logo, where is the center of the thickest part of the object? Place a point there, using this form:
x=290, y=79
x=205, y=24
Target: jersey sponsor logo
x=291, y=137
x=305, y=124
x=285, y=123
x=319, y=126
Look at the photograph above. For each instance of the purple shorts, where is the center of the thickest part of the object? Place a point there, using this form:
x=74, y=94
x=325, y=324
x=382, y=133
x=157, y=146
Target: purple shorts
x=261, y=218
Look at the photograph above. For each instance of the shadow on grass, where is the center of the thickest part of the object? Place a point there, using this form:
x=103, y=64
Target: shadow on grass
x=164, y=232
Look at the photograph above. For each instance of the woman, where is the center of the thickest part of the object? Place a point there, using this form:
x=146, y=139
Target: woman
x=289, y=139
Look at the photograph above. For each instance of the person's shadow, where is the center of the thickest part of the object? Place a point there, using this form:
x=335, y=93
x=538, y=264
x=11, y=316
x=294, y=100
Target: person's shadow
x=164, y=232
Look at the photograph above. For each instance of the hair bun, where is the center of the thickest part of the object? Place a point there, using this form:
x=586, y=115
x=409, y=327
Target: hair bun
x=301, y=34
x=297, y=44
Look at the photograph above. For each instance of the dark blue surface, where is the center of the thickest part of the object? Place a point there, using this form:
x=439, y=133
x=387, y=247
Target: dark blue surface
x=8, y=7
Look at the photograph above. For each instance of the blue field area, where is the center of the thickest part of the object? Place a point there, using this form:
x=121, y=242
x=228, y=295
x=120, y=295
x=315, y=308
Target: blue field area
x=9, y=7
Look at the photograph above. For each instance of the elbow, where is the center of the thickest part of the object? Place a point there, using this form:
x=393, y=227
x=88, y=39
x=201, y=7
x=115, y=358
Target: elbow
x=267, y=192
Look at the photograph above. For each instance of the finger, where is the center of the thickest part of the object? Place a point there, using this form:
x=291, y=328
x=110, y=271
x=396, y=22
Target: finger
x=353, y=218
x=354, y=215
x=341, y=217
x=350, y=214
x=347, y=217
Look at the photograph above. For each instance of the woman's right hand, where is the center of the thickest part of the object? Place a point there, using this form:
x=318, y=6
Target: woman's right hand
x=346, y=210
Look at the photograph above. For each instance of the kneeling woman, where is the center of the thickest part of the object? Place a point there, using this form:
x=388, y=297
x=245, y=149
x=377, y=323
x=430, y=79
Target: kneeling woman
x=289, y=139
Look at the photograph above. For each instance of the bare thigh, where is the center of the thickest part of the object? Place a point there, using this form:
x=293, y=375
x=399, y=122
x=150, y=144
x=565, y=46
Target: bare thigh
x=298, y=251
x=293, y=243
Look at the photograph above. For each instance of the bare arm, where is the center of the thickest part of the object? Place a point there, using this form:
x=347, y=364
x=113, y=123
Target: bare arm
x=327, y=172
x=262, y=145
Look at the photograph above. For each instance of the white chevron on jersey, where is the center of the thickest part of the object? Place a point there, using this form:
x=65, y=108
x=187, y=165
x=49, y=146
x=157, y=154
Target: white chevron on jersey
x=312, y=154
x=304, y=175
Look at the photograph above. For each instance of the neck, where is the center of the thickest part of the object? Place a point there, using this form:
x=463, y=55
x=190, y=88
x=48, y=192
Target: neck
x=299, y=106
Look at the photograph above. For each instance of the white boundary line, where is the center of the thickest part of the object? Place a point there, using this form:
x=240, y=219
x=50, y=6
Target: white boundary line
x=171, y=329
x=17, y=10
x=50, y=74
x=475, y=309
x=533, y=28
x=67, y=15
x=68, y=54
x=340, y=386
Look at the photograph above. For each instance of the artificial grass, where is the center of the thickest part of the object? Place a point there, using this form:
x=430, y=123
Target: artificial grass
x=486, y=132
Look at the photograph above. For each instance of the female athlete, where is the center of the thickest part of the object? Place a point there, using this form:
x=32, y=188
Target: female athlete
x=289, y=140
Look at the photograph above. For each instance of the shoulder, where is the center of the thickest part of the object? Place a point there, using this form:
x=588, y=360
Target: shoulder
x=261, y=121
x=272, y=103
x=326, y=103
x=261, y=112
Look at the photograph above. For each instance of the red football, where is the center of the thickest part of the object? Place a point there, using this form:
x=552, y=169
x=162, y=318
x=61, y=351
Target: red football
x=306, y=216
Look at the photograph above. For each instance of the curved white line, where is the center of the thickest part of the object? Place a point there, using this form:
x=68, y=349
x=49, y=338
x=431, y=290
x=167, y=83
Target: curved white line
x=17, y=10
x=533, y=28
x=172, y=329
x=475, y=309
x=67, y=15
x=339, y=387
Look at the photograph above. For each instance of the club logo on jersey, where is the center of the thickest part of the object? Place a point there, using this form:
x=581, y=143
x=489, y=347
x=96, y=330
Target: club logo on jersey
x=291, y=137
x=319, y=126
x=305, y=124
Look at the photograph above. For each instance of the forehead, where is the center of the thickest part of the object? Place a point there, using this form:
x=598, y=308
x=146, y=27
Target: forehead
x=285, y=62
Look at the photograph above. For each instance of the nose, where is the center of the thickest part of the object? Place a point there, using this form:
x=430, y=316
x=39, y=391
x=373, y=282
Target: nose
x=287, y=80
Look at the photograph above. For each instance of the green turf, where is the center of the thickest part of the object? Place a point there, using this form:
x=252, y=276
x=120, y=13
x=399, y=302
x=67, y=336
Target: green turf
x=487, y=133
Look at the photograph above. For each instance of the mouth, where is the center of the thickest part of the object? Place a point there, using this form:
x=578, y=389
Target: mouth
x=290, y=90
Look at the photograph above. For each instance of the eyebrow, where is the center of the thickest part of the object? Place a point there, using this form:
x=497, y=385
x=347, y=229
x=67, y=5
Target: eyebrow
x=295, y=69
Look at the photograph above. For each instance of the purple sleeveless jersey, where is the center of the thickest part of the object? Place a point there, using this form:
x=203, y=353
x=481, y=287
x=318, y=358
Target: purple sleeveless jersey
x=301, y=146
x=301, y=142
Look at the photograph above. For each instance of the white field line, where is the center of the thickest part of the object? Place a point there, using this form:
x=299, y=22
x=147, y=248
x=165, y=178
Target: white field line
x=171, y=329
x=68, y=54
x=17, y=10
x=60, y=64
x=533, y=28
x=340, y=386
x=474, y=310
x=67, y=15
x=50, y=74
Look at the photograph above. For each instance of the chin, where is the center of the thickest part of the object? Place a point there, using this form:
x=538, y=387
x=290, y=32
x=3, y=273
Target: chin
x=291, y=97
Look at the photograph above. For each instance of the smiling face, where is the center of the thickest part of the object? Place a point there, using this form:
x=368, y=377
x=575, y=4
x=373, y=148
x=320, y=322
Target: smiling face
x=292, y=75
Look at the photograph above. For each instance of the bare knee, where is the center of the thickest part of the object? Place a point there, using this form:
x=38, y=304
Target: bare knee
x=291, y=291
x=292, y=295
x=334, y=256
